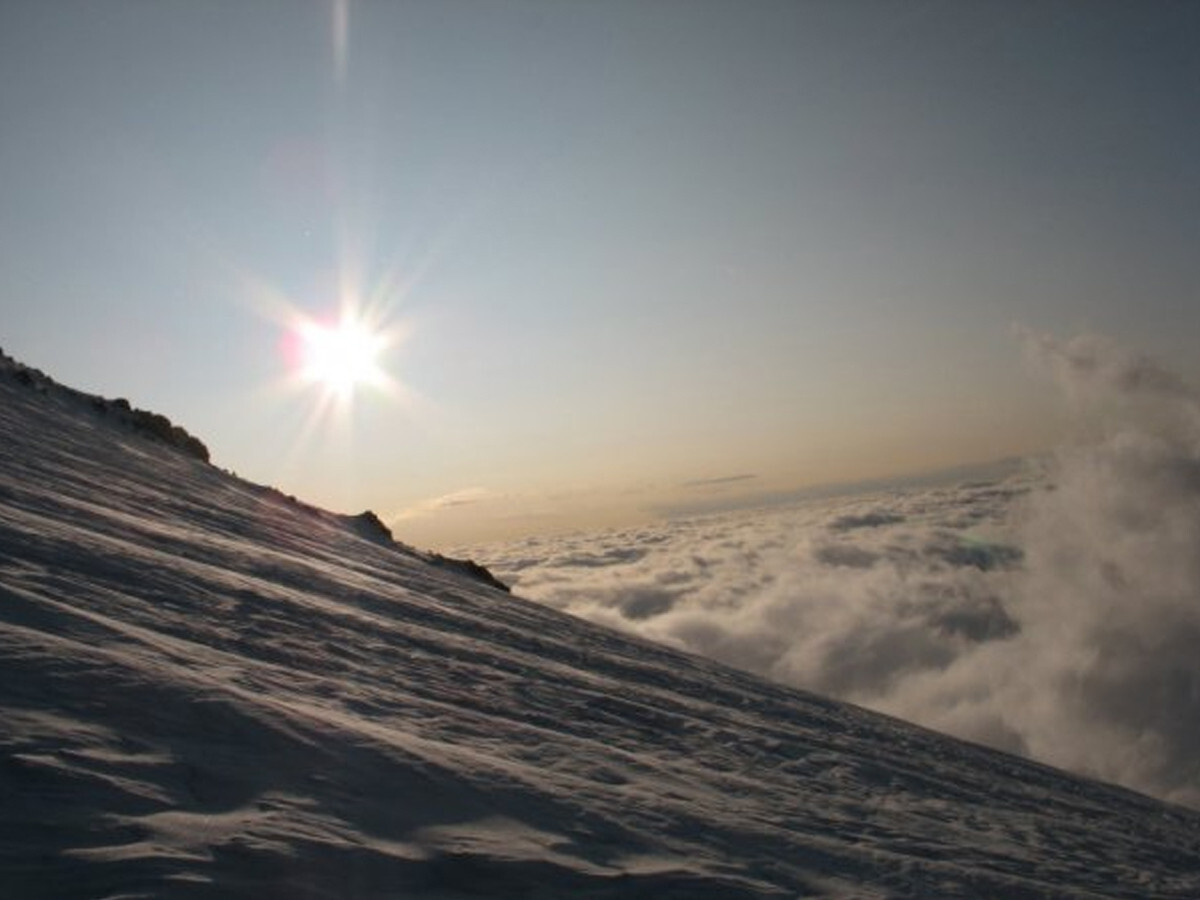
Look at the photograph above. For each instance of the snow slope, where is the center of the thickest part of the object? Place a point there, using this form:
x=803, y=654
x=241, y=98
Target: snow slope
x=208, y=689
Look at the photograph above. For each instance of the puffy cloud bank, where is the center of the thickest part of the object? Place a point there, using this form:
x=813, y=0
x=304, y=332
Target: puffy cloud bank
x=1055, y=613
x=1106, y=675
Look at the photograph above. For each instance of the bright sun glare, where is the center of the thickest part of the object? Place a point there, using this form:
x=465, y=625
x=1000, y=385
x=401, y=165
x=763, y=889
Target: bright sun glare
x=341, y=356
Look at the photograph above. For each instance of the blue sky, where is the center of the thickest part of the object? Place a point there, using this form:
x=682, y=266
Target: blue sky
x=631, y=245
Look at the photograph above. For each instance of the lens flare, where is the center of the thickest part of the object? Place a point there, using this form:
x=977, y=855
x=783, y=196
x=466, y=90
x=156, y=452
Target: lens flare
x=341, y=356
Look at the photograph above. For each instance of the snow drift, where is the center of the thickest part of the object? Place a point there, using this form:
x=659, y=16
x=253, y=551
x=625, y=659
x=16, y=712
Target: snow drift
x=208, y=689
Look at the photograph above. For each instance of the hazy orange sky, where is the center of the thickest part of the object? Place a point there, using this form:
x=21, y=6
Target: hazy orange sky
x=627, y=254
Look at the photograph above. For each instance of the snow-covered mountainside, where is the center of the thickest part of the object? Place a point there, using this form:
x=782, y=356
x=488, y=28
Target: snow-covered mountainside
x=208, y=689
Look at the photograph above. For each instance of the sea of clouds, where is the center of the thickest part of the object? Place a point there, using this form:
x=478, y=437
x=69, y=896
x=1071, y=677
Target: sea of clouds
x=1053, y=613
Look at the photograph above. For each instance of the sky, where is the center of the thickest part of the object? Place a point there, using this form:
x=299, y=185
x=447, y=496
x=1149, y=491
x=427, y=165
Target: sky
x=619, y=255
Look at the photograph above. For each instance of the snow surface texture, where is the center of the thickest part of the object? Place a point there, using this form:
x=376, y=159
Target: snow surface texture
x=1055, y=613
x=208, y=689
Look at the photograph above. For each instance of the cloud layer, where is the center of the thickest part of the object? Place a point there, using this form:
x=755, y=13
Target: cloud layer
x=1055, y=613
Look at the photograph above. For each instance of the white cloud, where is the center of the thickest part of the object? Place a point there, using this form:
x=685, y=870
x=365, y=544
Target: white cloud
x=464, y=497
x=1053, y=613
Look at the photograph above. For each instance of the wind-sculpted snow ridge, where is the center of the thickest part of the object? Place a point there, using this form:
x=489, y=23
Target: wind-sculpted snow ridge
x=148, y=424
x=210, y=690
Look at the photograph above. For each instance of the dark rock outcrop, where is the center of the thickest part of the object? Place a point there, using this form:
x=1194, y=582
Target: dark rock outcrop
x=470, y=568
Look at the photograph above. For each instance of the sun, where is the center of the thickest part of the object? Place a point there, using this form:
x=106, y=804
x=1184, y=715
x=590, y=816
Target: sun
x=341, y=356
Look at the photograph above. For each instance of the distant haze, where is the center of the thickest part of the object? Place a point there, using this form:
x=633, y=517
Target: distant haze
x=632, y=254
